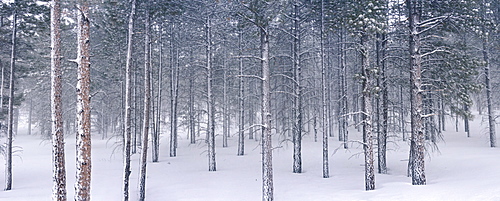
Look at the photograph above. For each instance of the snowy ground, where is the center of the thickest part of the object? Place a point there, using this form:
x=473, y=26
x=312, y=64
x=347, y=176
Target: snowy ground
x=463, y=169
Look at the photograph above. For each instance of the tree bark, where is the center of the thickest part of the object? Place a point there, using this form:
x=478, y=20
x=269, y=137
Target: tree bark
x=10, y=123
x=367, y=110
x=267, y=149
x=128, y=104
x=325, y=122
x=58, y=160
x=147, y=104
x=417, y=135
x=210, y=100
x=297, y=110
x=241, y=99
x=83, y=137
x=489, y=104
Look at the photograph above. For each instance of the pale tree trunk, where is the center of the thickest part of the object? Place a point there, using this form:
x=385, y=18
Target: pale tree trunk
x=128, y=104
x=297, y=110
x=241, y=100
x=210, y=99
x=325, y=122
x=382, y=123
x=489, y=104
x=147, y=105
x=174, y=82
x=367, y=111
x=192, y=131
x=344, y=134
x=83, y=136
x=225, y=116
x=58, y=160
x=10, y=123
x=417, y=146
x=156, y=136
x=267, y=147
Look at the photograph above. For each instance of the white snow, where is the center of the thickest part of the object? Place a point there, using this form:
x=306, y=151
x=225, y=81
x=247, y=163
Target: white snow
x=464, y=169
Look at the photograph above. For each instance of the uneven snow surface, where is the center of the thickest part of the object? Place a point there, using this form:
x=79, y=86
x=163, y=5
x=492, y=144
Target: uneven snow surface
x=463, y=169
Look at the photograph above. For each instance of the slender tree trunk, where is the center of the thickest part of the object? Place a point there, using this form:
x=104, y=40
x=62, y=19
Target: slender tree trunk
x=173, y=115
x=382, y=124
x=58, y=160
x=128, y=103
x=147, y=105
x=267, y=147
x=192, y=132
x=417, y=147
x=489, y=104
x=10, y=123
x=297, y=110
x=325, y=122
x=225, y=119
x=367, y=110
x=83, y=137
x=210, y=100
x=241, y=99
x=156, y=136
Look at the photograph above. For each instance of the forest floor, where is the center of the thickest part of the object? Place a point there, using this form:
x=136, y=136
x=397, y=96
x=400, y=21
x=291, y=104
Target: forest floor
x=462, y=169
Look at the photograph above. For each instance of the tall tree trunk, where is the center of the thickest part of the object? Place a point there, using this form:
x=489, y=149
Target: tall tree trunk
x=367, y=111
x=225, y=116
x=417, y=147
x=147, y=104
x=210, y=100
x=382, y=123
x=156, y=135
x=489, y=104
x=8, y=158
x=58, y=160
x=267, y=147
x=241, y=99
x=297, y=110
x=128, y=103
x=30, y=115
x=325, y=122
x=83, y=137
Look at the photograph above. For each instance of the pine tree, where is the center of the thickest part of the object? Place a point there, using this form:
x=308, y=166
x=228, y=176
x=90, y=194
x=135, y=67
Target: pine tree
x=83, y=135
x=58, y=160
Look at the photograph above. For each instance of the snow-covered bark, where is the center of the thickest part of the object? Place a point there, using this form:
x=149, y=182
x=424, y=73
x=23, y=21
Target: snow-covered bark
x=297, y=109
x=241, y=99
x=210, y=98
x=10, y=123
x=58, y=160
x=156, y=135
x=367, y=111
x=147, y=105
x=267, y=147
x=324, y=106
x=128, y=104
x=83, y=136
x=174, y=89
x=383, y=108
x=487, y=81
x=417, y=146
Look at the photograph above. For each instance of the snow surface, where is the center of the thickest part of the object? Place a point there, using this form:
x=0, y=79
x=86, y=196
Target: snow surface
x=463, y=169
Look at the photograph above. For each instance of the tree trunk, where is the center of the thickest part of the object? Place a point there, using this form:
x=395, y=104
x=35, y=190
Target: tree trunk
x=241, y=99
x=489, y=104
x=8, y=158
x=83, y=137
x=325, y=126
x=128, y=103
x=156, y=135
x=210, y=100
x=382, y=123
x=367, y=111
x=297, y=110
x=58, y=160
x=417, y=146
x=267, y=147
x=147, y=105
